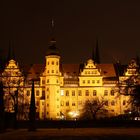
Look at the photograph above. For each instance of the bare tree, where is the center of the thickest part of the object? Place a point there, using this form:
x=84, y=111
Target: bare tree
x=94, y=108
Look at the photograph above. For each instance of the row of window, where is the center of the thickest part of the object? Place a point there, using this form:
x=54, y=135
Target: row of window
x=52, y=71
x=91, y=72
x=87, y=93
x=53, y=63
x=91, y=81
x=37, y=93
x=112, y=103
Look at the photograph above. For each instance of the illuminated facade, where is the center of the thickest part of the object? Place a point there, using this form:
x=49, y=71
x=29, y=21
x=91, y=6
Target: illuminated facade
x=61, y=90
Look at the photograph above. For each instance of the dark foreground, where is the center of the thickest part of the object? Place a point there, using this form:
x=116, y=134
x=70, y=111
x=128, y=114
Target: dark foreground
x=72, y=134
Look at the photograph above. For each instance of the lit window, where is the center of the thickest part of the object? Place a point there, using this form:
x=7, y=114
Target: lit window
x=37, y=93
x=62, y=92
x=94, y=92
x=79, y=93
x=87, y=93
x=73, y=93
x=67, y=93
x=105, y=92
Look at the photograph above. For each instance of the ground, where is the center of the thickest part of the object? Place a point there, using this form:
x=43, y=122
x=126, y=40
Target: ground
x=73, y=134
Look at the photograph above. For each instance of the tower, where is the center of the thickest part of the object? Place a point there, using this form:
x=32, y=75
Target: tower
x=95, y=53
x=53, y=74
x=11, y=54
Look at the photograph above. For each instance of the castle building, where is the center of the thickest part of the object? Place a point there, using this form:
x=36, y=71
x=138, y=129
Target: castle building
x=62, y=90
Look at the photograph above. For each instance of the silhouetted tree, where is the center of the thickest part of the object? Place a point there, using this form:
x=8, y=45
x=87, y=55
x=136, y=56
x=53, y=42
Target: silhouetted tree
x=93, y=108
x=32, y=111
x=1, y=108
x=131, y=87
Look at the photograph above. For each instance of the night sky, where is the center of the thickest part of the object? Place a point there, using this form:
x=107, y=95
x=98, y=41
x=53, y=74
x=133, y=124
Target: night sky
x=78, y=23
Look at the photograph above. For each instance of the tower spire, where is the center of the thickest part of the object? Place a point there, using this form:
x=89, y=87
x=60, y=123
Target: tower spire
x=97, y=55
x=11, y=54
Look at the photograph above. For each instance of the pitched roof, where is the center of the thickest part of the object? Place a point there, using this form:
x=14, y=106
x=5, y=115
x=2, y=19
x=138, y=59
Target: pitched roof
x=107, y=70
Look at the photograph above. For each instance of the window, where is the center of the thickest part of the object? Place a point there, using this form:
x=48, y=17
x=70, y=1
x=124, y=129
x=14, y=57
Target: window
x=83, y=81
x=67, y=103
x=37, y=103
x=73, y=93
x=73, y=104
x=57, y=81
x=93, y=81
x=48, y=63
x=112, y=92
x=106, y=103
x=88, y=81
x=43, y=81
x=124, y=102
x=79, y=93
x=57, y=63
x=52, y=62
x=112, y=103
x=37, y=93
x=43, y=93
x=47, y=105
x=52, y=71
x=94, y=92
x=48, y=71
x=105, y=92
x=28, y=93
x=87, y=93
x=62, y=92
x=62, y=103
x=47, y=80
x=98, y=81
x=67, y=93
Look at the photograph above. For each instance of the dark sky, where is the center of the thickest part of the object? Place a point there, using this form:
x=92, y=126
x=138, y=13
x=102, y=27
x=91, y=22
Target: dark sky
x=78, y=23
